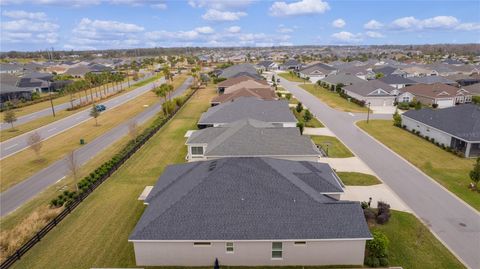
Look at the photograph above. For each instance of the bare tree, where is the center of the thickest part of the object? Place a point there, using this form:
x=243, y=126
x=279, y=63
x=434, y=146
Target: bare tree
x=34, y=142
x=133, y=130
x=72, y=164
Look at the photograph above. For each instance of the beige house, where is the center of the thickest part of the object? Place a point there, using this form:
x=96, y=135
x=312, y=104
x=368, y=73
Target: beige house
x=249, y=212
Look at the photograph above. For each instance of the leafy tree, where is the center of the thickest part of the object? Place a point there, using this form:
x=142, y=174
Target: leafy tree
x=397, y=119
x=34, y=142
x=307, y=116
x=168, y=107
x=301, y=126
x=10, y=117
x=288, y=96
x=418, y=105
x=377, y=253
x=475, y=173
x=379, y=75
x=299, y=107
x=94, y=112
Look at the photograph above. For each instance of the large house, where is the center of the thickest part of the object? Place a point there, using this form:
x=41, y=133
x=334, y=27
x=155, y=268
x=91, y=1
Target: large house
x=397, y=81
x=250, y=138
x=276, y=112
x=316, y=72
x=291, y=64
x=237, y=70
x=267, y=65
x=442, y=95
x=457, y=127
x=373, y=92
x=249, y=212
x=232, y=84
x=260, y=93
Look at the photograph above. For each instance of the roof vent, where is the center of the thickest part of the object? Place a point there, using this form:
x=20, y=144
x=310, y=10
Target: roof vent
x=212, y=165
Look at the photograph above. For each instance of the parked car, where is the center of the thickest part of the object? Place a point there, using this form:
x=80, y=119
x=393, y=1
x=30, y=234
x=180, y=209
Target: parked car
x=101, y=107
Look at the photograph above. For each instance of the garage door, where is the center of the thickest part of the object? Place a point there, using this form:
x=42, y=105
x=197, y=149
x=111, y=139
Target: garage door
x=445, y=103
x=381, y=101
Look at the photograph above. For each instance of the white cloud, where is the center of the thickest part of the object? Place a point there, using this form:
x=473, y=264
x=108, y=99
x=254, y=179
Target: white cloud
x=434, y=23
x=373, y=25
x=405, y=23
x=20, y=14
x=87, y=24
x=205, y=30
x=440, y=22
x=338, y=23
x=471, y=26
x=347, y=37
x=373, y=34
x=303, y=7
x=283, y=29
x=220, y=4
x=29, y=26
x=217, y=15
x=234, y=29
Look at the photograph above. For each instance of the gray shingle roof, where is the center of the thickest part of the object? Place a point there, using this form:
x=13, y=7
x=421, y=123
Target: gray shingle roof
x=238, y=70
x=395, y=79
x=251, y=138
x=366, y=88
x=325, y=69
x=247, y=199
x=345, y=79
x=248, y=108
x=433, y=80
x=462, y=121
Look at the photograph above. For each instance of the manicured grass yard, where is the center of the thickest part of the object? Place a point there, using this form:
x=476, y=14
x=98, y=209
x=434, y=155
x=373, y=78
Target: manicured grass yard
x=358, y=179
x=96, y=233
x=413, y=246
x=290, y=77
x=336, y=149
x=447, y=169
x=313, y=123
x=332, y=99
x=20, y=166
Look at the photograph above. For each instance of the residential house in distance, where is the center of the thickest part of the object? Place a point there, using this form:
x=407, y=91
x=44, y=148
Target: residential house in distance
x=341, y=78
x=233, y=84
x=316, y=72
x=267, y=65
x=10, y=91
x=389, y=70
x=291, y=64
x=275, y=112
x=260, y=93
x=397, y=81
x=457, y=127
x=473, y=89
x=11, y=68
x=442, y=95
x=434, y=80
x=251, y=138
x=373, y=92
x=249, y=212
x=238, y=70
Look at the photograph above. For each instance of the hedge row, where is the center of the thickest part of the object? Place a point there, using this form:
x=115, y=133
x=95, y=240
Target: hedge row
x=432, y=140
x=107, y=168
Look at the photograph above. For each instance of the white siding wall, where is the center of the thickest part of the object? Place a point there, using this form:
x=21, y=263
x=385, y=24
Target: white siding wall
x=249, y=253
x=439, y=136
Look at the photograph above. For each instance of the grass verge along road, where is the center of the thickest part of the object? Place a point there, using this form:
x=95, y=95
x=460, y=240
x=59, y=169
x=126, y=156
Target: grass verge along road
x=291, y=77
x=332, y=99
x=335, y=148
x=358, y=179
x=449, y=170
x=103, y=222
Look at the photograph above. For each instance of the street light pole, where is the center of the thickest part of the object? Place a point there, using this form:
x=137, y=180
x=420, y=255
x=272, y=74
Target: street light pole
x=51, y=99
x=368, y=112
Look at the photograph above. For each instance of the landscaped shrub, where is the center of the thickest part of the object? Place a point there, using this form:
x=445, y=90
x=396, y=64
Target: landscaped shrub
x=299, y=107
x=434, y=105
x=397, y=119
x=376, y=249
x=279, y=94
x=369, y=214
x=288, y=96
x=307, y=116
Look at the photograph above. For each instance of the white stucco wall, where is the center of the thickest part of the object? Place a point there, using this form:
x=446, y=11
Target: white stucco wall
x=439, y=136
x=250, y=253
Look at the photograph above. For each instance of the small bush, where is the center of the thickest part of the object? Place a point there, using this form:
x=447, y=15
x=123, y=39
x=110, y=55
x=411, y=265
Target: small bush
x=299, y=107
x=383, y=262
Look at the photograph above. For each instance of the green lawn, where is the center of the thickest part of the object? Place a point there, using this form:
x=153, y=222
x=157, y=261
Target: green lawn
x=290, y=77
x=336, y=149
x=96, y=233
x=313, y=123
x=332, y=99
x=413, y=246
x=447, y=169
x=358, y=179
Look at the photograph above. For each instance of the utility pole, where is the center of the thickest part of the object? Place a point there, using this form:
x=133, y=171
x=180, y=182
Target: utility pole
x=368, y=112
x=51, y=99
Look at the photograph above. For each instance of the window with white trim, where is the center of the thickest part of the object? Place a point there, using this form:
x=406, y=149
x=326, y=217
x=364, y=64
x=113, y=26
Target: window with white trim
x=300, y=243
x=229, y=247
x=202, y=244
x=197, y=150
x=406, y=99
x=277, y=251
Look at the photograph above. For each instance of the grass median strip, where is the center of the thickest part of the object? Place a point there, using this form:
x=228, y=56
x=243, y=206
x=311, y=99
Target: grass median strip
x=291, y=77
x=446, y=168
x=103, y=222
x=24, y=164
x=334, y=147
x=333, y=99
x=358, y=179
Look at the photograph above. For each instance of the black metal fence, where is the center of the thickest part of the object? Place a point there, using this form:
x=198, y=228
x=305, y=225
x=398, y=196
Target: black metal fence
x=71, y=206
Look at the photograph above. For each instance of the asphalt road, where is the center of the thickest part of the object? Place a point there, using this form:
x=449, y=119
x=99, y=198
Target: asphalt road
x=17, y=195
x=19, y=143
x=454, y=222
x=48, y=111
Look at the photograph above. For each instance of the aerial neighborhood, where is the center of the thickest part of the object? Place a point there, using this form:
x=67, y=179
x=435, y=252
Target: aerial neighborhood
x=239, y=134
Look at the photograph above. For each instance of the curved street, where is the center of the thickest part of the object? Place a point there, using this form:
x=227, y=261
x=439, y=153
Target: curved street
x=454, y=222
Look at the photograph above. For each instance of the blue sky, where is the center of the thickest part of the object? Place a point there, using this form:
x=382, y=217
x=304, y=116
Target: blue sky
x=102, y=24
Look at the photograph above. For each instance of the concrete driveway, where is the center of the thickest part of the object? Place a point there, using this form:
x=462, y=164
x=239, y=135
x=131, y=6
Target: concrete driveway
x=454, y=222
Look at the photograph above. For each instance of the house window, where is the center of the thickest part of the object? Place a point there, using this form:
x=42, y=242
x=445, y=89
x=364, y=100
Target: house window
x=197, y=150
x=202, y=244
x=277, y=252
x=406, y=99
x=229, y=247
x=300, y=243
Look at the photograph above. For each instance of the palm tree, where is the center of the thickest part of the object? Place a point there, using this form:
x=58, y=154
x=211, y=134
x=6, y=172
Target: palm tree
x=161, y=92
x=166, y=72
